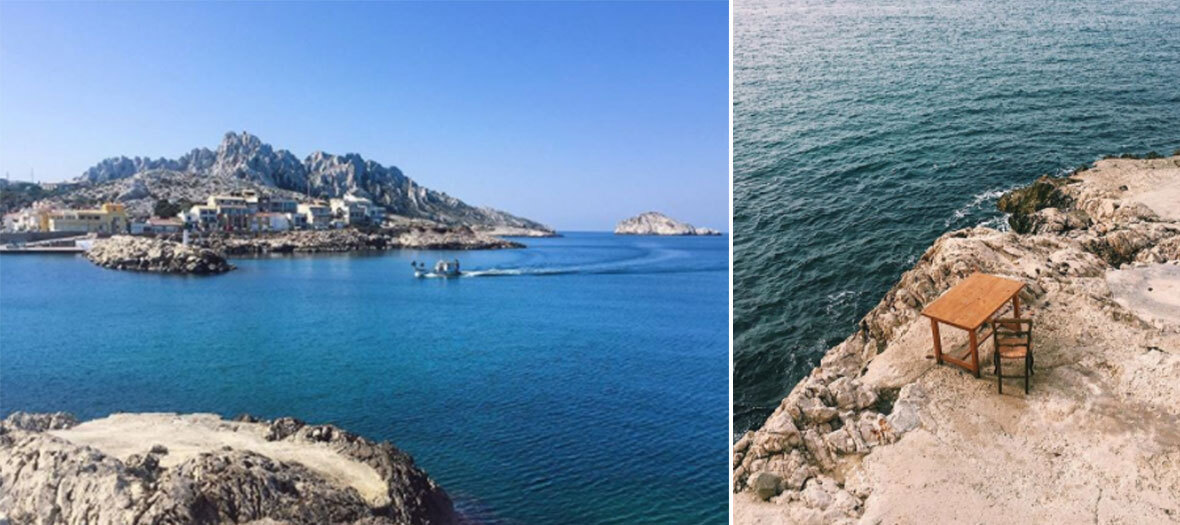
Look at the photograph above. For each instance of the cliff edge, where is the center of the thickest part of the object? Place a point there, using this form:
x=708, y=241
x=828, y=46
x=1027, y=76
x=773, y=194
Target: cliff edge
x=878, y=433
x=198, y=468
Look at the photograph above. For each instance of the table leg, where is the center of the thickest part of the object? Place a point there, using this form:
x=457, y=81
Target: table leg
x=937, y=341
x=974, y=353
x=1016, y=305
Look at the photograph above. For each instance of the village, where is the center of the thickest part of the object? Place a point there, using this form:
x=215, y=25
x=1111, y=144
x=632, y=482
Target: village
x=244, y=211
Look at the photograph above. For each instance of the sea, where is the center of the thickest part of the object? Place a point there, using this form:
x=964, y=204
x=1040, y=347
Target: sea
x=863, y=130
x=583, y=379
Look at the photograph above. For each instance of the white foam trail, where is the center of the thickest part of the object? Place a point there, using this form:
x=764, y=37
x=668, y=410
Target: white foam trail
x=618, y=266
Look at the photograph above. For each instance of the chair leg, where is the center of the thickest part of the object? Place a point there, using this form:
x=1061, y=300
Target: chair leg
x=1027, y=372
x=999, y=376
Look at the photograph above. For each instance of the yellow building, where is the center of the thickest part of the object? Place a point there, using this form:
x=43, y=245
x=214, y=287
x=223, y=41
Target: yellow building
x=110, y=218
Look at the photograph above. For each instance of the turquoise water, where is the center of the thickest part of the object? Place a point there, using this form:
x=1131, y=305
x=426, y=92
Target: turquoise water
x=580, y=380
x=863, y=130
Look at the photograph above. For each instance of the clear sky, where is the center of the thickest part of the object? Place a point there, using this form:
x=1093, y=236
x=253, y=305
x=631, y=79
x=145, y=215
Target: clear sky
x=575, y=115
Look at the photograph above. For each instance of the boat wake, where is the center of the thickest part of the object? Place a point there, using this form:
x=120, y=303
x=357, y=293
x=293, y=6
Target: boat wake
x=652, y=262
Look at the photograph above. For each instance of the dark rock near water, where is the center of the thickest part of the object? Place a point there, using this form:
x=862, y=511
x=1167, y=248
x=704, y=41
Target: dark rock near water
x=1022, y=203
x=143, y=254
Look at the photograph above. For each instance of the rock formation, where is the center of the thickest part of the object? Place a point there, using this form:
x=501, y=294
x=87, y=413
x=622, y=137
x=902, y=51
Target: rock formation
x=182, y=469
x=243, y=161
x=655, y=223
x=124, y=252
x=878, y=433
x=353, y=240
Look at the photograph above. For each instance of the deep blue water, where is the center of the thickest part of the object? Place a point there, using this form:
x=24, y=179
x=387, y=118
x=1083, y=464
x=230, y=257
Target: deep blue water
x=583, y=380
x=863, y=130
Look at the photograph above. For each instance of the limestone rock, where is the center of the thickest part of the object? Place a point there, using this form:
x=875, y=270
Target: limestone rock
x=1071, y=235
x=48, y=479
x=1022, y=203
x=655, y=223
x=354, y=240
x=123, y=252
x=242, y=161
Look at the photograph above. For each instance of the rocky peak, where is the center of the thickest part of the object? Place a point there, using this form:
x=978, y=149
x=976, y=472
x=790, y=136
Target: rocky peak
x=244, y=159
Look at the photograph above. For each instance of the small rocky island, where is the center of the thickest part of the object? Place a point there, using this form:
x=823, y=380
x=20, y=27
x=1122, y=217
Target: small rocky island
x=655, y=223
x=124, y=252
x=878, y=433
x=198, y=468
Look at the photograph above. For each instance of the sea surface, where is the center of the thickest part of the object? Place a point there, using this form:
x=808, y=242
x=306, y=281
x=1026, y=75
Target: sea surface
x=863, y=130
x=579, y=380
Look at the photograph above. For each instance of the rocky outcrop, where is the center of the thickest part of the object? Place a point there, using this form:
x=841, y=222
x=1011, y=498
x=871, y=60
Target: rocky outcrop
x=55, y=470
x=655, y=223
x=242, y=161
x=878, y=433
x=123, y=252
x=353, y=240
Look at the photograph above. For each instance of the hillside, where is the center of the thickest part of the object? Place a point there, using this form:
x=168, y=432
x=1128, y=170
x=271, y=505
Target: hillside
x=243, y=161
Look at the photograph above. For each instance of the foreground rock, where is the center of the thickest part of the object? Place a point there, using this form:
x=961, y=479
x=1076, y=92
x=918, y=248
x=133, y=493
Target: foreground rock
x=198, y=468
x=353, y=240
x=123, y=252
x=878, y=433
x=655, y=223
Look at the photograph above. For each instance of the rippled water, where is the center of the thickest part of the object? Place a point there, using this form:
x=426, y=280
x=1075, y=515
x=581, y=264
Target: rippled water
x=584, y=383
x=863, y=131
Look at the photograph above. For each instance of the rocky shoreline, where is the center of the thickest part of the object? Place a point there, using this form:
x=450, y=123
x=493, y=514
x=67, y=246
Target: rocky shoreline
x=124, y=252
x=206, y=255
x=199, y=468
x=353, y=240
x=878, y=433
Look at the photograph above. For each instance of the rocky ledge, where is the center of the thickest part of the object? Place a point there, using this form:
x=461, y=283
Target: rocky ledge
x=353, y=240
x=655, y=223
x=199, y=468
x=123, y=252
x=878, y=433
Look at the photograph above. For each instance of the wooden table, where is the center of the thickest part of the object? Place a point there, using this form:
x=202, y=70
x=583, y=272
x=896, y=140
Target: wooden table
x=968, y=305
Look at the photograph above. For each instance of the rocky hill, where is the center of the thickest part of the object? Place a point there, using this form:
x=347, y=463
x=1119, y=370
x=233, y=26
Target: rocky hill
x=655, y=223
x=199, y=468
x=243, y=161
x=879, y=433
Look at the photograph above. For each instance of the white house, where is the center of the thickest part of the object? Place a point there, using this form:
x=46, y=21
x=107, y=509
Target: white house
x=319, y=216
x=271, y=222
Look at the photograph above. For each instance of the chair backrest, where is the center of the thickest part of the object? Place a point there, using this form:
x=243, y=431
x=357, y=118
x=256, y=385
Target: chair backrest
x=1012, y=329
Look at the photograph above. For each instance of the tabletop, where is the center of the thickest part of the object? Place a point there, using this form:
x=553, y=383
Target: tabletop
x=968, y=304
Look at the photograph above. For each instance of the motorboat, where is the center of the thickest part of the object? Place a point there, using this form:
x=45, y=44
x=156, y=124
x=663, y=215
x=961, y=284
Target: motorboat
x=441, y=269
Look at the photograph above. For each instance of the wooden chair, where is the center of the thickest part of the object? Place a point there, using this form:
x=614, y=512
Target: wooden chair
x=1013, y=340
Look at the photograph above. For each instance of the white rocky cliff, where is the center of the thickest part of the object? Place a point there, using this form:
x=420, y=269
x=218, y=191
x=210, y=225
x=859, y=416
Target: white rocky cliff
x=655, y=223
x=878, y=433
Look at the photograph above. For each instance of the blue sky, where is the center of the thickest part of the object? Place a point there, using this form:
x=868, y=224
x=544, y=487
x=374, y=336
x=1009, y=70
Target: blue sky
x=576, y=115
